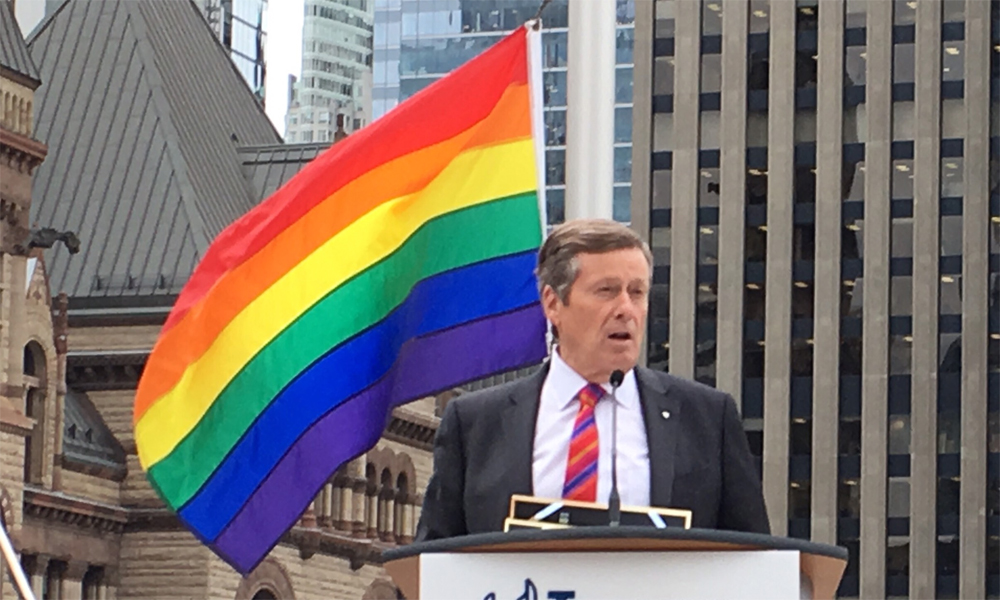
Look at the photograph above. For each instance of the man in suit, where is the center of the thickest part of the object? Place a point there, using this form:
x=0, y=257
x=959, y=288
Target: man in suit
x=680, y=444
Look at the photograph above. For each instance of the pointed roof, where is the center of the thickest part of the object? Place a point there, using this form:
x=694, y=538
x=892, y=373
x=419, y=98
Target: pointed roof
x=269, y=167
x=144, y=113
x=86, y=438
x=14, y=54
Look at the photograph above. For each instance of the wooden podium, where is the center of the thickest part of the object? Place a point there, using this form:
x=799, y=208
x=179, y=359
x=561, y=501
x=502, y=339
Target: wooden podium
x=585, y=563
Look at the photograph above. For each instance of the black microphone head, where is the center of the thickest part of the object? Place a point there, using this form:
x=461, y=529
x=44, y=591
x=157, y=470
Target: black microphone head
x=617, y=377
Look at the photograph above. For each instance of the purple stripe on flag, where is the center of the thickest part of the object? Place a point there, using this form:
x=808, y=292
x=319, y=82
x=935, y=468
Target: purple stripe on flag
x=424, y=366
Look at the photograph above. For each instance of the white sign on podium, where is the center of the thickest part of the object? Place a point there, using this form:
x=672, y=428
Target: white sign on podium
x=736, y=575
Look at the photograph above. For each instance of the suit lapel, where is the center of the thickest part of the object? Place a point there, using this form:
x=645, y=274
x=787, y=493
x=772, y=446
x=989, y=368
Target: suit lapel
x=662, y=415
x=519, y=429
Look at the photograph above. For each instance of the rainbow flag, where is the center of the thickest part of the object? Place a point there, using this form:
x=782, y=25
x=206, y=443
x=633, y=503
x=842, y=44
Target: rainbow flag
x=399, y=263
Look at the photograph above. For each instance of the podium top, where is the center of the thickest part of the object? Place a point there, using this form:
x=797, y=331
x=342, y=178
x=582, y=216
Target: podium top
x=609, y=539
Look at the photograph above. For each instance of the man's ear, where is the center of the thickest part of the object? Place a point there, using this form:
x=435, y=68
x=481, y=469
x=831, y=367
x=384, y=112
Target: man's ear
x=551, y=304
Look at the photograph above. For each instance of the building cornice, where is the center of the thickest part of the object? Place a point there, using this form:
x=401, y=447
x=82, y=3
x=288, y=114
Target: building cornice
x=18, y=77
x=410, y=429
x=49, y=506
x=31, y=151
x=79, y=465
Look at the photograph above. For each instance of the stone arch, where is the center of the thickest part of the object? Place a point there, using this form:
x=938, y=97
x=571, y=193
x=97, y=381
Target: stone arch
x=381, y=458
x=402, y=488
x=386, y=504
x=371, y=500
x=404, y=467
x=371, y=479
x=353, y=469
x=268, y=578
x=381, y=589
x=385, y=483
x=35, y=361
x=28, y=118
x=38, y=405
x=6, y=110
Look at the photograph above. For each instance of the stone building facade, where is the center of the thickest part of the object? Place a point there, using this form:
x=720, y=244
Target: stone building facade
x=109, y=141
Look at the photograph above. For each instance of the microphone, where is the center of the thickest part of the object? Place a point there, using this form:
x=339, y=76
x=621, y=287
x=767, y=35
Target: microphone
x=614, y=501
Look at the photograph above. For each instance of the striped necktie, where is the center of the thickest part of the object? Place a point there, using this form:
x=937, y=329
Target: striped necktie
x=581, y=466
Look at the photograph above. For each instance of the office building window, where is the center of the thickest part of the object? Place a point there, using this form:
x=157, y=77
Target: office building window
x=711, y=17
x=953, y=118
x=855, y=16
x=555, y=205
x=952, y=187
x=903, y=63
x=953, y=61
x=711, y=73
x=759, y=16
x=902, y=120
x=953, y=11
x=902, y=179
x=904, y=12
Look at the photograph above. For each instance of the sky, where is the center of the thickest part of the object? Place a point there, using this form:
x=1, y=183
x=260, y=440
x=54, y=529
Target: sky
x=283, y=54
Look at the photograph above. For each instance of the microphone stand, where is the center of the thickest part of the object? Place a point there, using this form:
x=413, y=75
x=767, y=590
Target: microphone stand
x=614, y=500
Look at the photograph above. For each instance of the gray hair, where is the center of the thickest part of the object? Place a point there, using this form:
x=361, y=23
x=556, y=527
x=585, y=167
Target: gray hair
x=558, y=266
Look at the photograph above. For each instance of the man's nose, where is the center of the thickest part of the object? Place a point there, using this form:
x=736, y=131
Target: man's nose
x=627, y=308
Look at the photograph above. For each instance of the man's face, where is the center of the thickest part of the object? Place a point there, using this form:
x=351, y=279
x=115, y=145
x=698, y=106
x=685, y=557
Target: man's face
x=602, y=323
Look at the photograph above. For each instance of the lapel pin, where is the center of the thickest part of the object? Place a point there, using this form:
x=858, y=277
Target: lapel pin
x=665, y=414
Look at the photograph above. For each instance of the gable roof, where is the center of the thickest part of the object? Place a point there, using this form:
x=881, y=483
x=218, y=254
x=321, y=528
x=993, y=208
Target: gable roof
x=269, y=167
x=143, y=112
x=86, y=438
x=13, y=51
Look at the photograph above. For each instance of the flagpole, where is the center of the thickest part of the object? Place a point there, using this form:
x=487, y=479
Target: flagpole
x=16, y=571
x=590, y=105
x=535, y=83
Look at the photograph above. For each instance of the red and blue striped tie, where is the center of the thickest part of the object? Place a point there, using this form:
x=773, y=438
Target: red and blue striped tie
x=581, y=467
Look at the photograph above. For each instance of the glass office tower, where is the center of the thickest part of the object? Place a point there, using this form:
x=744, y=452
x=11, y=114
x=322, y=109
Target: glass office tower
x=418, y=41
x=240, y=25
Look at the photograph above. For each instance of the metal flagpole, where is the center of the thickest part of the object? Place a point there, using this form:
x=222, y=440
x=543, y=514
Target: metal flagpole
x=10, y=557
x=590, y=106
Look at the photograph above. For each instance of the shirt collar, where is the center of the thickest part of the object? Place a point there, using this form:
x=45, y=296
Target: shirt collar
x=566, y=382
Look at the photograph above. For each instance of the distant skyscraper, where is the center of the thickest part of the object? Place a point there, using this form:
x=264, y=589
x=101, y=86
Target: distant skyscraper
x=417, y=42
x=239, y=24
x=336, y=70
x=819, y=185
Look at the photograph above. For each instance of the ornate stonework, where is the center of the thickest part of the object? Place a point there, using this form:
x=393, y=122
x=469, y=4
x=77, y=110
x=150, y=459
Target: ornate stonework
x=270, y=576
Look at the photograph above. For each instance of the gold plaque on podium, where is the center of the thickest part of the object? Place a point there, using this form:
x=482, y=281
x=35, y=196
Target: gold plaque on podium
x=548, y=513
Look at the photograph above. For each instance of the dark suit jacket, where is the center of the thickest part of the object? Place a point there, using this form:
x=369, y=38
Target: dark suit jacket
x=699, y=458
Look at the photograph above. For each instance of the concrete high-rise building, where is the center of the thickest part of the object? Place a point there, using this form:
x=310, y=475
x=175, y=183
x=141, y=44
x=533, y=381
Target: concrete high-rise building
x=336, y=75
x=241, y=26
x=418, y=42
x=819, y=185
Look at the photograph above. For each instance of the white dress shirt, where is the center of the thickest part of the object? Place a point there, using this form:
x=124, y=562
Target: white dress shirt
x=557, y=412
